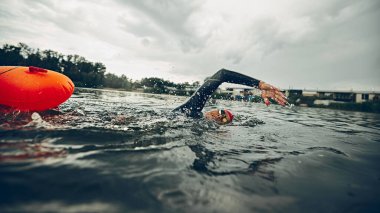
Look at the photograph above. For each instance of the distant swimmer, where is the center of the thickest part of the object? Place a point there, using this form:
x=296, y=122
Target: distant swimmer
x=194, y=105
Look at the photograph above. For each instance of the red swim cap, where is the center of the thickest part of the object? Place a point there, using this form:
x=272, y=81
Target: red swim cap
x=229, y=115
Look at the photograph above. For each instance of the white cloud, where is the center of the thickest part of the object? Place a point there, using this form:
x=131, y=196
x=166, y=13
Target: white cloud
x=301, y=44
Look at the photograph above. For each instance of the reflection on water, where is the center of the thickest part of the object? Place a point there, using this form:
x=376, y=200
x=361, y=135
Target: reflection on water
x=114, y=151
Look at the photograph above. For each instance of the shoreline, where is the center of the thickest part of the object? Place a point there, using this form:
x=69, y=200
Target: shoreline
x=350, y=107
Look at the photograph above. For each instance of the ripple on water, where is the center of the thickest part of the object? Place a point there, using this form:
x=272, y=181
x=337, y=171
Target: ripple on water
x=129, y=142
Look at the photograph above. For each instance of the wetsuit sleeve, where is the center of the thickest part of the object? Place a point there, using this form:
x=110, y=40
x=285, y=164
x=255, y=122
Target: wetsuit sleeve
x=194, y=105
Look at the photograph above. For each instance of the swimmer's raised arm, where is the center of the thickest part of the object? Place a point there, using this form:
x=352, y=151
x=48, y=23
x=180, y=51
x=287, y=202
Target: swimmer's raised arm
x=194, y=105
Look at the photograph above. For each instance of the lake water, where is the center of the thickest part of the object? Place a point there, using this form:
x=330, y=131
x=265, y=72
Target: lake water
x=114, y=151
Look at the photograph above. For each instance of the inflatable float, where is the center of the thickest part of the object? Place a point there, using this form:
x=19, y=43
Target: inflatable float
x=33, y=88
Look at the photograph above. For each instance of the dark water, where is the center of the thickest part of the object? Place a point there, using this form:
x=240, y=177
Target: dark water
x=111, y=151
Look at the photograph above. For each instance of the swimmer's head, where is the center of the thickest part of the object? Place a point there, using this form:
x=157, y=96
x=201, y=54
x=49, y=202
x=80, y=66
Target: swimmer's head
x=220, y=116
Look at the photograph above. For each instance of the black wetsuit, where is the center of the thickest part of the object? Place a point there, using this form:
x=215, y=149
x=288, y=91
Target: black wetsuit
x=194, y=105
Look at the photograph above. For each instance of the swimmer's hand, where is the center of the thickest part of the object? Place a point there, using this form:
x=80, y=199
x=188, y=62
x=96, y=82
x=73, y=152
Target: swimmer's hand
x=269, y=91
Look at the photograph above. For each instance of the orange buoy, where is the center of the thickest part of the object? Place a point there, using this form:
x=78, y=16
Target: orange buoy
x=33, y=88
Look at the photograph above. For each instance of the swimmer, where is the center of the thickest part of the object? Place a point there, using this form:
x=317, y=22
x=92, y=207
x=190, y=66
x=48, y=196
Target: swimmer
x=194, y=105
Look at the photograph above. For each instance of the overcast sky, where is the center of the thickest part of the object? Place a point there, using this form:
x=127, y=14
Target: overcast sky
x=324, y=44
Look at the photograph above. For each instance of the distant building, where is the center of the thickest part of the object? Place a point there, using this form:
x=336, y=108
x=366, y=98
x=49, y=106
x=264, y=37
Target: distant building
x=343, y=96
x=239, y=92
x=325, y=97
x=321, y=97
x=293, y=92
x=309, y=93
x=367, y=96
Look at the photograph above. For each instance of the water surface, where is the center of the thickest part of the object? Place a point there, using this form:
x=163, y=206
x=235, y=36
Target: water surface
x=114, y=151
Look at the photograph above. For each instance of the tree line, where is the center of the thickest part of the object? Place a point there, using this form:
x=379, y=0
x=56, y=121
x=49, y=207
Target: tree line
x=81, y=71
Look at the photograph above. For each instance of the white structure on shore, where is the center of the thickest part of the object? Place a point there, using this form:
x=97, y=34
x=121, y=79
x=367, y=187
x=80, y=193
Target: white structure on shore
x=325, y=97
x=238, y=90
x=322, y=97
